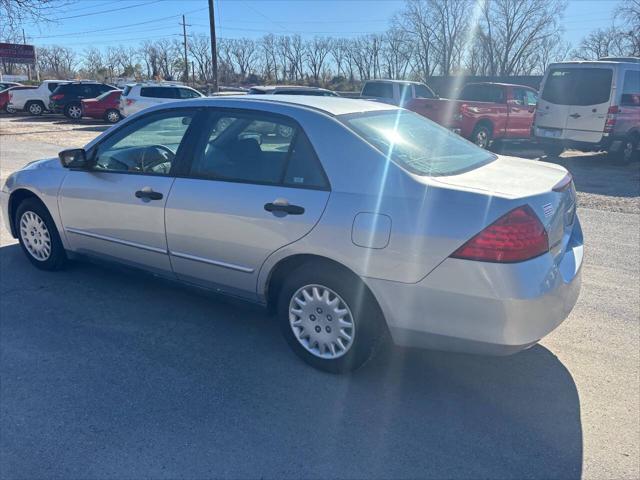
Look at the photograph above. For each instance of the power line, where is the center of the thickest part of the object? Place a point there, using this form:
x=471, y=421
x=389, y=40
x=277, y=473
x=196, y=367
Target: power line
x=107, y=11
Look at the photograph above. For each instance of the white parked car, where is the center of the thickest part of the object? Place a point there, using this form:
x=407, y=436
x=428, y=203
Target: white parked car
x=33, y=100
x=143, y=95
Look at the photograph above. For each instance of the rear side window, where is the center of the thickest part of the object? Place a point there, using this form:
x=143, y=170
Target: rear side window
x=255, y=148
x=52, y=86
x=631, y=88
x=578, y=86
x=483, y=93
x=159, y=92
x=378, y=89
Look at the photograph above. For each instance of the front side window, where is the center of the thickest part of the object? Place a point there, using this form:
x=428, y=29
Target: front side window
x=258, y=148
x=422, y=91
x=417, y=144
x=578, y=86
x=149, y=145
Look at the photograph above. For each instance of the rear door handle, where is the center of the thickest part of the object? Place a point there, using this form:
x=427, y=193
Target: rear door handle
x=148, y=194
x=575, y=115
x=284, y=207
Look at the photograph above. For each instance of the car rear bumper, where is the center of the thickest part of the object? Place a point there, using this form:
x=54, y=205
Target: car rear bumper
x=481, y=307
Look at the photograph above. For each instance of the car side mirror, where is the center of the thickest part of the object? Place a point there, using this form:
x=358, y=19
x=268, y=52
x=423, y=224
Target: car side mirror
x=74, y=158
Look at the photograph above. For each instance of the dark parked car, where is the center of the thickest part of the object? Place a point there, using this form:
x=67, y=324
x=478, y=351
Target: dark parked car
x=67, y=97
x=104, y=107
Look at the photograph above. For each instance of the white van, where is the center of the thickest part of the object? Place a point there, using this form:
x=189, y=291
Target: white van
x=590, y=106
x=139, y=96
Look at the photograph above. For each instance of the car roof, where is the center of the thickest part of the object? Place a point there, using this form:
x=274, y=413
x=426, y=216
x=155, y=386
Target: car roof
x=594, y=63
x=329, y=105
x=502, y=84
x=386, y=80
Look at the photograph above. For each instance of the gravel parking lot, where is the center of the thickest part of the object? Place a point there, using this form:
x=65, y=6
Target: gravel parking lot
x=105, y=373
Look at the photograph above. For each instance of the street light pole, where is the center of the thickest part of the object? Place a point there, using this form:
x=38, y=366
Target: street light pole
x=214, y=52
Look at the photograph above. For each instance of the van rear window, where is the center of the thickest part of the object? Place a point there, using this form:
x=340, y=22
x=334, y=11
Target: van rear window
x=578, y=86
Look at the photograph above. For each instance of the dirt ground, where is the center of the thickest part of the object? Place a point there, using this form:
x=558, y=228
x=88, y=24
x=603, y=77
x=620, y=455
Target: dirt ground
x=600, y=185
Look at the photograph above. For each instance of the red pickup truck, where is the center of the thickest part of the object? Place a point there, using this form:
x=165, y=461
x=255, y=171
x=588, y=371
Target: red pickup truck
x=482, y=112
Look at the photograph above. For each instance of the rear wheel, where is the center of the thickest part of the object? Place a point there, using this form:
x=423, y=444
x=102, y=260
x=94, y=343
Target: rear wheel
x=9, y=109
x=481, y=136
x=112, y=116
x=626, y=153
x=329, y=318
x=35, y=108
x=38, y=236
x=553, y=150
x=73, y=111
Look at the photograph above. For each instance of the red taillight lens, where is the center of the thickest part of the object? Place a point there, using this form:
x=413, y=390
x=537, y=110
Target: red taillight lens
x=515, y=237
x=129, y=101
x=58, y=96
x=610, y=123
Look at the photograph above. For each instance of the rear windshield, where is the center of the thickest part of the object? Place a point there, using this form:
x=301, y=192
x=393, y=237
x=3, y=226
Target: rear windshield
x=578, y=86
x=378, y=89
x=126, y=90
x=483, y=93
x=417, y=144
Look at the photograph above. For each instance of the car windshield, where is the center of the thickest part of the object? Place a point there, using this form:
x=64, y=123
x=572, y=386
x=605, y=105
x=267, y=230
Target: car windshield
x=417, y=144
x=578, y=86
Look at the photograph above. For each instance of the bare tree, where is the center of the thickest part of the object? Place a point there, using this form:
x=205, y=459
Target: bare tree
x=269, y=52
x=416, y=21
x=243, y=53
x=396, y=53
x=316, y=52
x=57, y=61
x=200, y=50
x=601, y=43
x=512, y=29
x=628, y=12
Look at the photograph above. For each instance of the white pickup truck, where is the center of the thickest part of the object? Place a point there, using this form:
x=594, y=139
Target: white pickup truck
x=33, y=100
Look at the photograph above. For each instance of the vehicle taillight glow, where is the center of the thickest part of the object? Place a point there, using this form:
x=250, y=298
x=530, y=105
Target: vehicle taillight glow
x=130, y=101
x=610, y=123
x=515, y=237
x=58, y=96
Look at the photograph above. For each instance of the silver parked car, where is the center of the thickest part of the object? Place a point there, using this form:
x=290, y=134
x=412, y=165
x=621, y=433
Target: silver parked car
x=352, y=219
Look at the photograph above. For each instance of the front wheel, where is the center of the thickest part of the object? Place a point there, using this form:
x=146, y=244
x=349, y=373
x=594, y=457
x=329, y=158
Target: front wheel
x=329, y=319
x=35, y=108
x=73, y=111
x=38, y=236
x=481, y=136
x=9, y=109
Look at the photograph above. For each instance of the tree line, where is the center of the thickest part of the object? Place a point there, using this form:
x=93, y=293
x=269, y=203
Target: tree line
x=425, y=38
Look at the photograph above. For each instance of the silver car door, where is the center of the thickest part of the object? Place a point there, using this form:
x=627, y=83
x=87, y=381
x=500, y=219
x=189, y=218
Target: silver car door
x=116, y=209
x=254, y=185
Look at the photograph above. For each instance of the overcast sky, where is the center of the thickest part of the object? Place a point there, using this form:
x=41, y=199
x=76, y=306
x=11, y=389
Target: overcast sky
x=98, y=22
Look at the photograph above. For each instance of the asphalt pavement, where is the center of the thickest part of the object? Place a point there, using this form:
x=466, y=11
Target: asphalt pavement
x=105, y=373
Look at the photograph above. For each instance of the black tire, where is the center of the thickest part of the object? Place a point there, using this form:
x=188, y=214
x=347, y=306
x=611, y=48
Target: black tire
x=57, y=256
x=482, y=136
x=627, y=152
x=35, y=108
x=553, y=150
x=369, y=328
x=112, y=116
x=73, y=111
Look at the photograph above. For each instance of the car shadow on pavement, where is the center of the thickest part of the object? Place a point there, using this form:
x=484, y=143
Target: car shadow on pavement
x=111, y=373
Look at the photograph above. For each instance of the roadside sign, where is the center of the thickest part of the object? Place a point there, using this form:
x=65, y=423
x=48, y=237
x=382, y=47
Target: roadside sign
x=17, y=53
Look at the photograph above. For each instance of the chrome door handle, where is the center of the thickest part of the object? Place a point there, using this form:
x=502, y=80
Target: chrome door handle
x=575, y=115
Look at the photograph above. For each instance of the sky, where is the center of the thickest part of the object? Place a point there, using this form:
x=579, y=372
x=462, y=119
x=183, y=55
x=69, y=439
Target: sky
x=98, y=23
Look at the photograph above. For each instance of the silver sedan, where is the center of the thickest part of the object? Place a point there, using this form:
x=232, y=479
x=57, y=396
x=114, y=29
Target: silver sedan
x=353, y=220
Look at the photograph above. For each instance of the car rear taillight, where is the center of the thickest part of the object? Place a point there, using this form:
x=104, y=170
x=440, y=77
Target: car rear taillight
x=130, y=101
x=515, y=237
x=57, y=96
x=610, y=123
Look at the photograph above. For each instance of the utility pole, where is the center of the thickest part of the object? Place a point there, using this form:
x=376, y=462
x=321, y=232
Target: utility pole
x=214, y=51
x=186, y=61
x=24, y=42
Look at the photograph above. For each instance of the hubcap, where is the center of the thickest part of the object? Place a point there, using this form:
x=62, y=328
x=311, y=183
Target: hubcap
x=35, y=109
x=482, y=138
x=321, y=321
x=75, y=112
x=112, y=117
x=35, y=236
